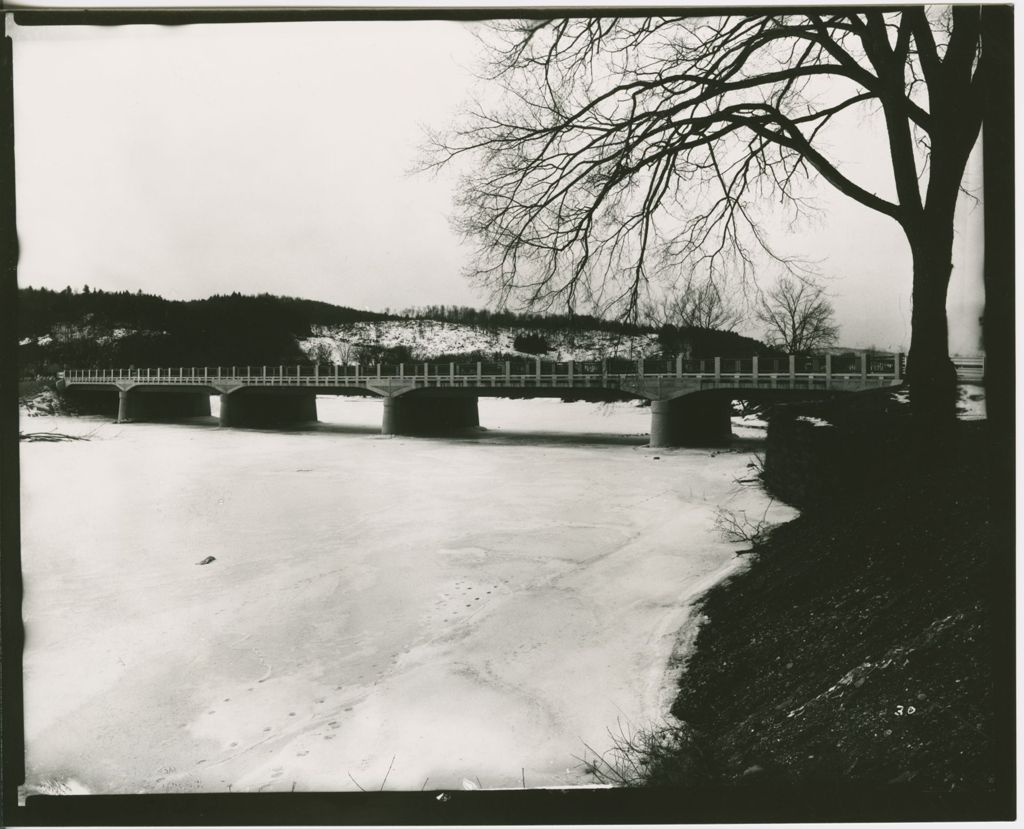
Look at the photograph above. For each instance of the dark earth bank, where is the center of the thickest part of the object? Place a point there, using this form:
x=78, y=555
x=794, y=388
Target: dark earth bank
x=870, y=641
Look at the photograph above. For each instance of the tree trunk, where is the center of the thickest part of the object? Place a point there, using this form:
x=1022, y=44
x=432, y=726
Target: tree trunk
x=997, y=27
x=930, y=372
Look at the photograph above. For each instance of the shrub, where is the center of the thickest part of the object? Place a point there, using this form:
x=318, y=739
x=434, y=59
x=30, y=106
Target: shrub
x=530, y=343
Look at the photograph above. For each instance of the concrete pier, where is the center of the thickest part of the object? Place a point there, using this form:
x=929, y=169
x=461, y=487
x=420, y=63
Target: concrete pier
x=124, y=402
x=694, y=420
x=243, y=408
x=409, y=415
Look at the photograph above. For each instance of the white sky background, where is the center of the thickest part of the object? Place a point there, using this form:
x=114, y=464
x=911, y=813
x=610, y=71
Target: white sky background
x=188, y=161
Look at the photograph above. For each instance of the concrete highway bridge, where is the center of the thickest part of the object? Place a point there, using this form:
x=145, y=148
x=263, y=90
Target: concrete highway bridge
x=690, y=398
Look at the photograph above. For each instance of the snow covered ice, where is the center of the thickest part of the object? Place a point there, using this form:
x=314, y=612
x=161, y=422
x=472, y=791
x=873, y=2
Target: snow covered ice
x=475, y=608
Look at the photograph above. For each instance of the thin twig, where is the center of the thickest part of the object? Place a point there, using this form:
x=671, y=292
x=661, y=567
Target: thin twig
x=385, y=780
x=350, y=777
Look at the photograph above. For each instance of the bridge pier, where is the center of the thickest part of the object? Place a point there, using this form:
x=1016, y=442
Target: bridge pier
x=693, y=420
x=255, y=409
x=405, y=415
x=124, y=412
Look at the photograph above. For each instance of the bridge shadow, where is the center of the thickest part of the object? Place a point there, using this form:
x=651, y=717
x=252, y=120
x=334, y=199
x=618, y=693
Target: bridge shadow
x=746, y=443
x=334, y=428
x=752, y=441
x=317, y=427
x=512, y=437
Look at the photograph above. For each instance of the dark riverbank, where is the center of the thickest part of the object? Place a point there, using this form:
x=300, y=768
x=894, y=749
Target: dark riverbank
x=870, y=643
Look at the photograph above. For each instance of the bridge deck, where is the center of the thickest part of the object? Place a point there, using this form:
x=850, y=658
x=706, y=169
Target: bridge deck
x=668, y=377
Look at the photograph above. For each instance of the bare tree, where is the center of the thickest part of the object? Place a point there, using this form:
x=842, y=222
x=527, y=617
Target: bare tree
x=320, y=353
x=797, y=316
x=697, y=304
x=625, y=145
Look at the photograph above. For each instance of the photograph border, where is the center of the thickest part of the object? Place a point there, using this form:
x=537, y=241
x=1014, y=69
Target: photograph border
x=746, y=804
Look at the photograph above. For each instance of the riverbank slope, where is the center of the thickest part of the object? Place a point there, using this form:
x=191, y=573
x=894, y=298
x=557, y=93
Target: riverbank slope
x=870, y=641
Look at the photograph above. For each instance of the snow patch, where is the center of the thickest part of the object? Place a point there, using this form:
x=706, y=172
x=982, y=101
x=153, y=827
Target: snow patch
x=814, y=421
x=971, y=405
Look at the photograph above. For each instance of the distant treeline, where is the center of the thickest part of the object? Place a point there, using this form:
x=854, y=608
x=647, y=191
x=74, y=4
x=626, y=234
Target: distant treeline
x=483, y=318
x=40, y=310
x=706, y=342
x=223, y=329
x=238, y=329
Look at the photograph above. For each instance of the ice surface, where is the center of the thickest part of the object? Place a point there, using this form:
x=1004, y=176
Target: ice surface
x=471, y=608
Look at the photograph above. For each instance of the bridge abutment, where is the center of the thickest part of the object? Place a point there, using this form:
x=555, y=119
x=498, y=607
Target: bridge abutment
x=405, y=415
x=254, y=409
x=693, y=420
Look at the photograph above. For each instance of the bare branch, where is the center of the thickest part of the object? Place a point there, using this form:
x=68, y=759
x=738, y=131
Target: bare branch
x=624, y=149
x=797, y=316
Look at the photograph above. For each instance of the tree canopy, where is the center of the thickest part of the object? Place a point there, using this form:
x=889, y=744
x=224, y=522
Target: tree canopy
x=620, y=147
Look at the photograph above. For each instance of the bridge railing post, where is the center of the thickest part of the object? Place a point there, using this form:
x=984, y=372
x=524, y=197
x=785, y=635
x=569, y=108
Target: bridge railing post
x=451, y=373
x=897, y=365
x=679, y=365
x=640, y=366
x=401, y=370
x=792, y=370
x=828, y=371
x=479, y=373
x=537, y=360
x=718, y=369
x=378, y=371
x=864, y=369
x=753, y=369
x=570, y=372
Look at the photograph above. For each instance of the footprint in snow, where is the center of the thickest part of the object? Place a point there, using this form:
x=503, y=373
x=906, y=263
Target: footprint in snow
x=206, y=560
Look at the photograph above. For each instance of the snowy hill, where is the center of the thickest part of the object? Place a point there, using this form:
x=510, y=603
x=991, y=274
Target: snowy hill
x=96, y=329
x=429, y=339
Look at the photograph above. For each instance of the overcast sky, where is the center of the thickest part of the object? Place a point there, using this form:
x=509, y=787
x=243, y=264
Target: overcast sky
x=188, y=161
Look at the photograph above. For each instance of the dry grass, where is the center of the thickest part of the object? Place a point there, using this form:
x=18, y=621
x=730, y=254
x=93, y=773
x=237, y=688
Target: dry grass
x=666, y=754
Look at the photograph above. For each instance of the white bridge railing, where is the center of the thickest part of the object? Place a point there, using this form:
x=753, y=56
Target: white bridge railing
x=861, y=371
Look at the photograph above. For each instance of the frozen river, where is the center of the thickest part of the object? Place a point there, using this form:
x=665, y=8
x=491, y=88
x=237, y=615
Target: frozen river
x=455, y=609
